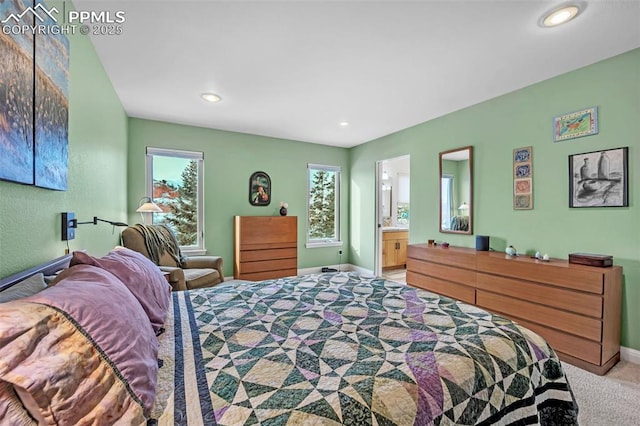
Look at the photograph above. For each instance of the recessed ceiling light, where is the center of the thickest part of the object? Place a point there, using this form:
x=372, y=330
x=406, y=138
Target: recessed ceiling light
x=211, y=97
x=560, y=16
x=343, y=123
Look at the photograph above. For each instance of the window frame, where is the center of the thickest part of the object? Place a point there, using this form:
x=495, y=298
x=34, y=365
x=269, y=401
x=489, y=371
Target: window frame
x=199, y=247
x=325, y=242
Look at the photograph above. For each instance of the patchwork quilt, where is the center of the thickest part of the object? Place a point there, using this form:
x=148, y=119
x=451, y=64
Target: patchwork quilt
x=347, y=348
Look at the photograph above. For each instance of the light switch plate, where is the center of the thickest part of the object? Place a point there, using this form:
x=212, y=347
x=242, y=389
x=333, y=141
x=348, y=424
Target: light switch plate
x=68, y=229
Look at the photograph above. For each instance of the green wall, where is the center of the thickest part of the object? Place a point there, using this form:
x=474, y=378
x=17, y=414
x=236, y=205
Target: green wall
x=495, y=128
x=229, y=160
x=30, y=218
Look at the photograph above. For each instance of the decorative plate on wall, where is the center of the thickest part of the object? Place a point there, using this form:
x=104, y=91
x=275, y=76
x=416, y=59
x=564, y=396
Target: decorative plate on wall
x=259, y=189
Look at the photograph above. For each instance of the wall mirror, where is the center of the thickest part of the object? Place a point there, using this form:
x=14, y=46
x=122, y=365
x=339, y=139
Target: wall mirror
x=456, y=190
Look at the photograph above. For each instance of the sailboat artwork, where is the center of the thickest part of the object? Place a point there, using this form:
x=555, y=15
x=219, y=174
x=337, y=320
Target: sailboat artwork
x=599, y=179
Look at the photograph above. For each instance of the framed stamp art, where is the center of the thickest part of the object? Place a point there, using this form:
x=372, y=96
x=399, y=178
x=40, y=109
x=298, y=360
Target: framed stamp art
x=575, y=124
x=599, y=178
x=259, y=189
x=523, y=178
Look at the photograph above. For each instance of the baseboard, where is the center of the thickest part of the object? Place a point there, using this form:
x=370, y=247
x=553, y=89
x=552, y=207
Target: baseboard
x=342, y=268
x=361, y=270
x=630, y=355
x=318, y=270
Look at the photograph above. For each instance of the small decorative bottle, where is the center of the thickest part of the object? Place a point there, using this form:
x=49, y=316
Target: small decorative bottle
x=283, y=209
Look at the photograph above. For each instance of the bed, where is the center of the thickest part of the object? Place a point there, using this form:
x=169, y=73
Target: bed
x=335, y=348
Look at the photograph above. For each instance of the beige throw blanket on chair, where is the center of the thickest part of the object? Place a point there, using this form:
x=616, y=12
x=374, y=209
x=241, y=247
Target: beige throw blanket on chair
x=159, y=239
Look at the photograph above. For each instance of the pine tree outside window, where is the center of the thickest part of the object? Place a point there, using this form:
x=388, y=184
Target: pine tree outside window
x=323, y=205
x=175, y=183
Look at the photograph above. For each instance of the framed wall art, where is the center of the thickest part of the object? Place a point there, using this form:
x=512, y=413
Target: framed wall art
x=51, y=108
x=259, y=189
x=523, y=178
x=34, y=97
x=575, y=124
x=16, y=103
x=599, y=178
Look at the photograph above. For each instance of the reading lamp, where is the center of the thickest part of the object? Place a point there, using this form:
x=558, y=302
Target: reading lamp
x=70, y=223
x=464, y=207
x=146, y=208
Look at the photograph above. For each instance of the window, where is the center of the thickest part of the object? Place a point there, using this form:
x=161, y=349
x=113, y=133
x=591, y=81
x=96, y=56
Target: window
x=402, y=207
x=175, y=183
x=323, y=205
x=447, y=201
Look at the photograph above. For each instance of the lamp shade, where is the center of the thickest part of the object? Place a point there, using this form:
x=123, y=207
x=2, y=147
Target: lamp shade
x=148, y=206
x=463, y=206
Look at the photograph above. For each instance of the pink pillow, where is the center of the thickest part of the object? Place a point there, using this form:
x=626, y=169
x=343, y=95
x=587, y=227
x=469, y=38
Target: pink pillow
x=103, y=307
x=141, y=276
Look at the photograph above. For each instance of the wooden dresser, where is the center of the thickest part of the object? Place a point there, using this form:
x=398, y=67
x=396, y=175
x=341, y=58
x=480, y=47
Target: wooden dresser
x=265, y=247
x=576, y=308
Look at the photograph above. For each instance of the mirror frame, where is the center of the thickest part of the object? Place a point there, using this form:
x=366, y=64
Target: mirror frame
x=471, y=205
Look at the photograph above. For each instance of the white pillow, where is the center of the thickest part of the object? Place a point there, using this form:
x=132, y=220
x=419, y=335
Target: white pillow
x=31, y=285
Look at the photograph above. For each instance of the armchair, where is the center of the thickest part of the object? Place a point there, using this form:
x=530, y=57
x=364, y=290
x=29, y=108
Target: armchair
x=159, y=244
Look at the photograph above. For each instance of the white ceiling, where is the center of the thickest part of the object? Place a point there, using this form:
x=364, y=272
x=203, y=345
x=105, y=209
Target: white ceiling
x=295, y=69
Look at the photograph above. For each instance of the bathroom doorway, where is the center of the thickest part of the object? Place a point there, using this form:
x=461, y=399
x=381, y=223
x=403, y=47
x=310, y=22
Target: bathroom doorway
x=393, y=213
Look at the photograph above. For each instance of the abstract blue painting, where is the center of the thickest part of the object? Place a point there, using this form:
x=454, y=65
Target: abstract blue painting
x=34, y=100
x=16, y=101
x=51, y=108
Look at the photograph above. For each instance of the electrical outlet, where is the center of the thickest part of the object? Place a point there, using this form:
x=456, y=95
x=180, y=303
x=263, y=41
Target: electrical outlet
x=340, y=252
x=68, y=230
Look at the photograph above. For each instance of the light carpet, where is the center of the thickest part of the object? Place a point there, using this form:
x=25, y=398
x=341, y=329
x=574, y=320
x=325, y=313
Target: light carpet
x=610, y=400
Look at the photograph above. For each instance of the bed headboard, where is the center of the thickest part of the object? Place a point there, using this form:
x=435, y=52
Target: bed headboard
x=47, y=268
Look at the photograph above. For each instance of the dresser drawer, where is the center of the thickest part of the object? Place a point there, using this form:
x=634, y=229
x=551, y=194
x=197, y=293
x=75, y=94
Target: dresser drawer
x=573, y=301
x=454, y=257
x=267, y=275
x=578, y=325
x=446, y=288
x=279, y=253
x=575, y=346
x=562, y=275
x=395, y=235
x=265, y=229
x=268, y=265
x=462, y=276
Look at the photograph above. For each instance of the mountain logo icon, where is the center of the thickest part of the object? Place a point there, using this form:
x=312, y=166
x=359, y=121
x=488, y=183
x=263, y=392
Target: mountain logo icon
x=34, y=11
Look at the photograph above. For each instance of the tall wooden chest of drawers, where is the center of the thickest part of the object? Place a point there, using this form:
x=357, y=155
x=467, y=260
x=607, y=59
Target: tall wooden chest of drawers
x=576, y=308
x=265, y=247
